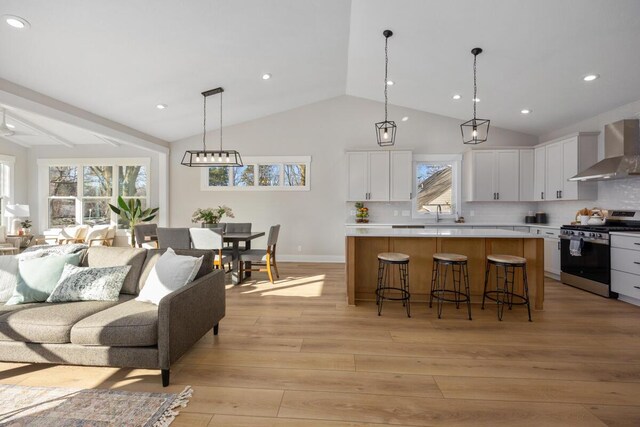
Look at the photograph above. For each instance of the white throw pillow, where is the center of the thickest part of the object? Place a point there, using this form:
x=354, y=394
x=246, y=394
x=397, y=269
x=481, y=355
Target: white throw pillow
x=170, y=273
x=8, y=276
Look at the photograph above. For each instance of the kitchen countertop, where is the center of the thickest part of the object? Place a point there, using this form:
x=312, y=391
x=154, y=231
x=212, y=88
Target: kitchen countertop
x=451, y=225
x=439, y=232
x=625, y=233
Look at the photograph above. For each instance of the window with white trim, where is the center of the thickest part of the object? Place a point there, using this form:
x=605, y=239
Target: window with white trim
x=436, y=185
x=6, y=184
x=271, y=173
x=80, y=191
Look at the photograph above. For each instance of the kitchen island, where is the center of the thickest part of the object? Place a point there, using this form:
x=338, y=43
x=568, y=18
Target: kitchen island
x=364, y=244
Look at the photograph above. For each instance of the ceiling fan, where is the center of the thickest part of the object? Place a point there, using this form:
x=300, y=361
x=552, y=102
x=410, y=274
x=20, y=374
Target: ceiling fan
x=6, y=131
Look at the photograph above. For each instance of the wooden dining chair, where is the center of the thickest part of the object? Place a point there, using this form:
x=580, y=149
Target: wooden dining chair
x=211, y=239
x=264, y=257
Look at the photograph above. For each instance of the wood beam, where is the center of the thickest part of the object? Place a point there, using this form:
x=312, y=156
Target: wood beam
x=40, y=130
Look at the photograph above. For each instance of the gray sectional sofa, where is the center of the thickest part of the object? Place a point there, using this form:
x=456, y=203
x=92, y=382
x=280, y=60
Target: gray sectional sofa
x=126, y=333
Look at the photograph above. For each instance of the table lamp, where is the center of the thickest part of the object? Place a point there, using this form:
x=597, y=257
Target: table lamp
x=16, y=212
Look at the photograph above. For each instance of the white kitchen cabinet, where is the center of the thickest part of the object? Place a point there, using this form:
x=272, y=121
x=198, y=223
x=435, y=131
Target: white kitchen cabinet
x=563, y=159
x=401, y=163
x=527, y=172
x=539, y=173
x=492, y=175
x=551, y=249
x=379, y=176
x=625, y=267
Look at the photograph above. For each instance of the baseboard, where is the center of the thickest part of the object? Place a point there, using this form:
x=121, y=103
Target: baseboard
x=311, y=258
x=628, y=299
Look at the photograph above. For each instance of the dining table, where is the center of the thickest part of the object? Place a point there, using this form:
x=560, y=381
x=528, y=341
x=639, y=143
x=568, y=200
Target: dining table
x=235, y=239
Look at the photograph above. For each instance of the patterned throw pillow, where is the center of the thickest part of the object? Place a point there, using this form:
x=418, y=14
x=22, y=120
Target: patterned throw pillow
x=89, y=284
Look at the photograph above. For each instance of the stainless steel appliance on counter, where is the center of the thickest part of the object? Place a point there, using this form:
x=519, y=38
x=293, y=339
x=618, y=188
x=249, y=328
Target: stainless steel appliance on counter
x=585, y=254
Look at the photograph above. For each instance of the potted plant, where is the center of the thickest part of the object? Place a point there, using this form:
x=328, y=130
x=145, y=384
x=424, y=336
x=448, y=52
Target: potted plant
x=210, y=217
x=26, y=226
x=131, y=212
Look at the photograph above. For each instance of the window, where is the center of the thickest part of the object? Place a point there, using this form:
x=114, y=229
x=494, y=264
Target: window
x=80, y=191
x=275, y=173
x=437, y=185
x=6, y=184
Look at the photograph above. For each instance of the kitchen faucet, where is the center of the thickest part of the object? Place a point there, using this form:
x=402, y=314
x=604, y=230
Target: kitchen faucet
x=438, y=212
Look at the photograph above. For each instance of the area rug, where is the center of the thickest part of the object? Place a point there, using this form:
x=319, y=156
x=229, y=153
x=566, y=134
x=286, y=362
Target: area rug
x=65, y=407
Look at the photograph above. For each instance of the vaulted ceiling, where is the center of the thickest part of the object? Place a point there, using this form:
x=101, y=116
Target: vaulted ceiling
x=119, y=58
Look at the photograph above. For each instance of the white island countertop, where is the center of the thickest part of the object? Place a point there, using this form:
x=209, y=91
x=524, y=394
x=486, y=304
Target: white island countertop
x=439, y=232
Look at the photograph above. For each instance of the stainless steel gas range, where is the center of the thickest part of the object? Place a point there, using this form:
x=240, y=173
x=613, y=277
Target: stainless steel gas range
x=585, y=255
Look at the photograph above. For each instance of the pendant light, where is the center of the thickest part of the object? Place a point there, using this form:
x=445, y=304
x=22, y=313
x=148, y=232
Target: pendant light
x=386, y=130
x=475, y=131
x=210, y=158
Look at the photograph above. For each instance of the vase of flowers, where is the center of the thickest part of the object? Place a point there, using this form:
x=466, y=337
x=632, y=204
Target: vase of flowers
x=210, y=217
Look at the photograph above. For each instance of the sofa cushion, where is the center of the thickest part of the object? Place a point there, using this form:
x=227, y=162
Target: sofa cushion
x=130, y=324
x=154, y=254
x=4, y=309
x=49, y=323
x=103, y=256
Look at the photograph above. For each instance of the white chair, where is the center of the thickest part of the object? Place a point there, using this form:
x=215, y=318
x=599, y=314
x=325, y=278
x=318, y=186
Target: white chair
x=266, y=256
x=210, y=239
x=100, y=235
x=74, y=234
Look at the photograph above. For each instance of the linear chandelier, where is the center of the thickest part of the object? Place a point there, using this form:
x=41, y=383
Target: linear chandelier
x=210, y=158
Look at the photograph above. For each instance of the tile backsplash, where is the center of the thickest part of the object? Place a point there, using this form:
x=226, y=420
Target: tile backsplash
x=617, y=194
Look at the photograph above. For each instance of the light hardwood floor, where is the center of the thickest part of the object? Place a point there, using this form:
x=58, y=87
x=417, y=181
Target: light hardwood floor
x=294, y=354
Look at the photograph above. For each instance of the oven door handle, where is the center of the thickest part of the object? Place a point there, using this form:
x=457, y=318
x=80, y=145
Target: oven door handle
x=588, y=240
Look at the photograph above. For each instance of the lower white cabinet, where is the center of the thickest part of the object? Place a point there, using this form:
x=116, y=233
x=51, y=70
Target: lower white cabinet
x=551, y=248
x=625, y=267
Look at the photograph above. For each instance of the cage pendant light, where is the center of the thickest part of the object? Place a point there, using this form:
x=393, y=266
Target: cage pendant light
x=475, y=131
x=386, y=130
x=211, y=158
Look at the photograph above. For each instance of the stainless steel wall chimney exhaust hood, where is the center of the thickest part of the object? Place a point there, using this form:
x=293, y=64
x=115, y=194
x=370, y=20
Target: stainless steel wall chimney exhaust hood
x=621, y=152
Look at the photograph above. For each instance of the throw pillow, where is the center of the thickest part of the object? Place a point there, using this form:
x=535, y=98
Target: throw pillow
x=89, y=283
x=8, y=276
x=170, y=273
x=39, y=276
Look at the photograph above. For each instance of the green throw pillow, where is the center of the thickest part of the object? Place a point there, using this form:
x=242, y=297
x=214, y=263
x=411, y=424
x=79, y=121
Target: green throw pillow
x=38, y=277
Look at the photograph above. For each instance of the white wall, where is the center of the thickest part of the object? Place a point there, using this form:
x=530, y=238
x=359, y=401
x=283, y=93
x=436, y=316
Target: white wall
x=20, y=185
x=315, y=219
x=618, y=194
x=77, y=152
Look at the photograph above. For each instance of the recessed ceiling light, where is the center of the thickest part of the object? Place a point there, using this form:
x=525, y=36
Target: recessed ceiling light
x=266, y=76
x=476, y=99
x=161, y=106
x=16, y=22
x=590, y=77
x=10, y=126
x=390, y=82
x=456, y=97
x=405, y=118
x=525, y=111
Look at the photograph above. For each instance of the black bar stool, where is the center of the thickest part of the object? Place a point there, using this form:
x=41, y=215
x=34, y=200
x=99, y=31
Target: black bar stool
x=386, y=261
x=458, y=264
x=504, y=295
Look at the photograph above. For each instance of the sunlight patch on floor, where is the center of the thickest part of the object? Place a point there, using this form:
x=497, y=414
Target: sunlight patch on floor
x=307, y=287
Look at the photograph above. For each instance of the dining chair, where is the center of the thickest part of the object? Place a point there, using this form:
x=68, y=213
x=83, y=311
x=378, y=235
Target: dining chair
x=142, y=231
x=266, y=256
x=238, y=227
x=211, y=239
x=175, y=238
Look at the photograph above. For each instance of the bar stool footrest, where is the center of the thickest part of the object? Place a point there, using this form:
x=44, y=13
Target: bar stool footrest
x=464, y=296
x=524, y=300
x=405, y=294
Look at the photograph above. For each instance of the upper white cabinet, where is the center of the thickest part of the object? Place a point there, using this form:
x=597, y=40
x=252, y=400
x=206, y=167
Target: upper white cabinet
x=539, y=173
x=379, y=176
x=562, y=160
x=527, y=163
x=492, y=175
x=401, y=164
